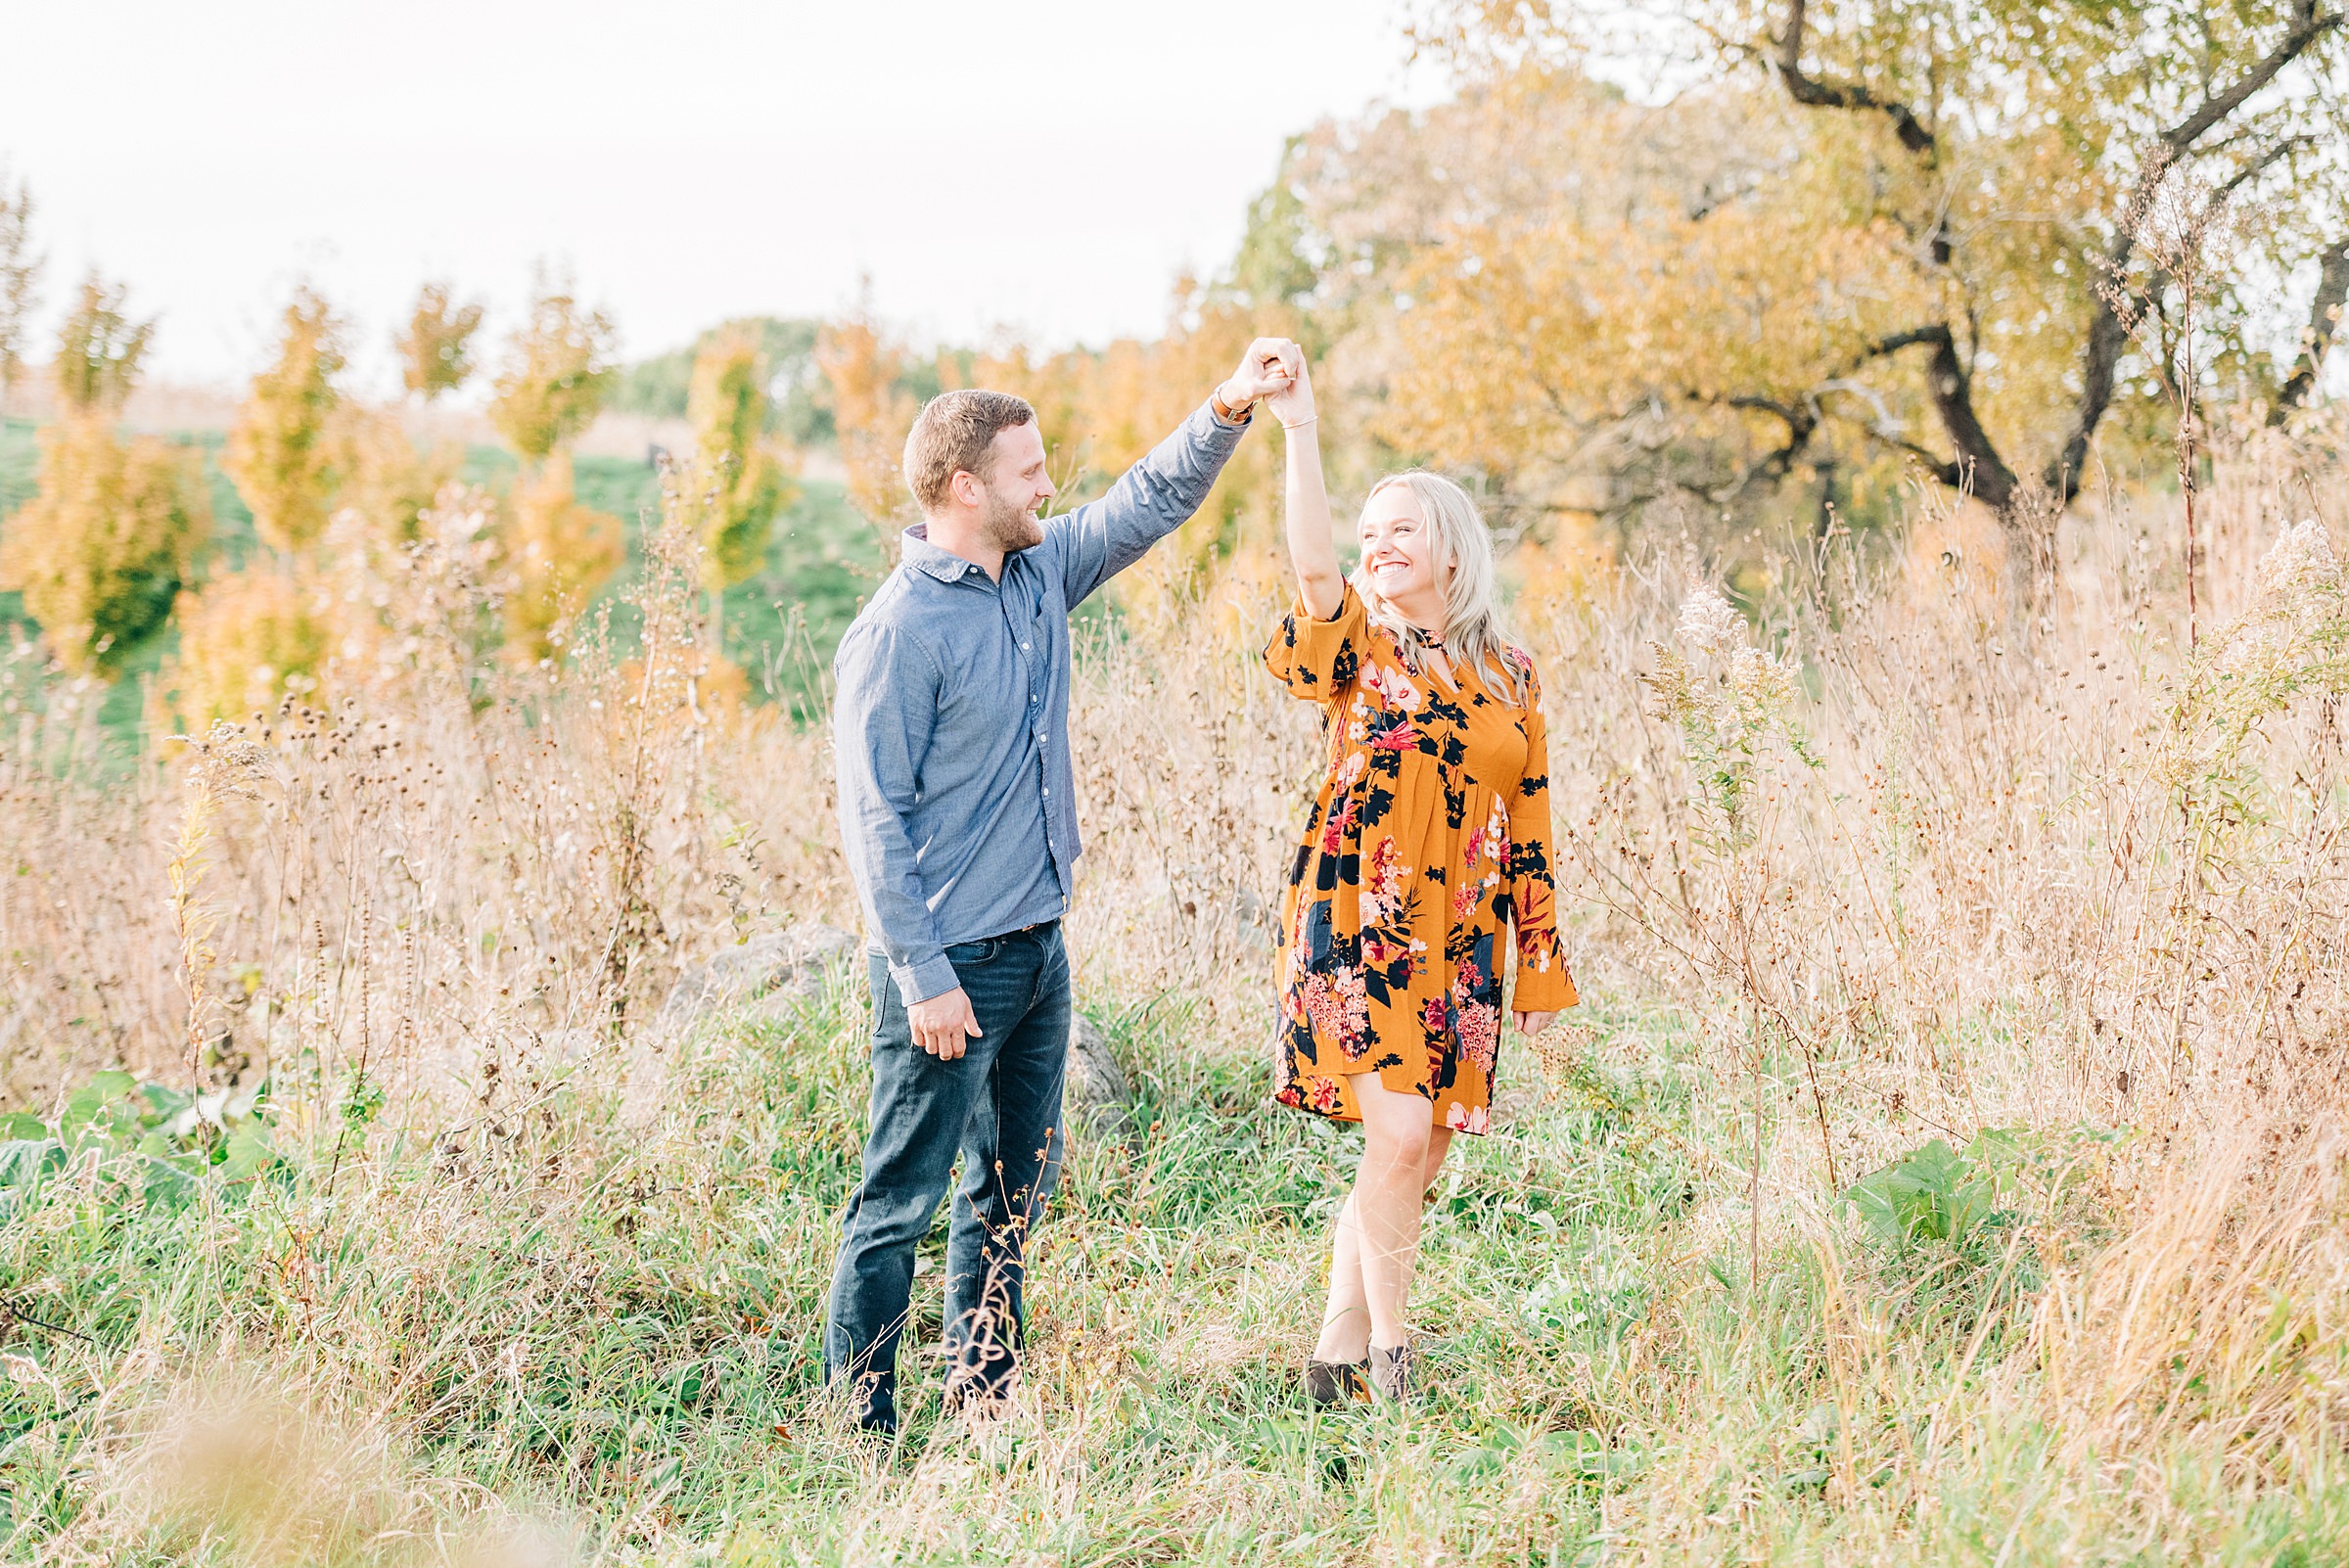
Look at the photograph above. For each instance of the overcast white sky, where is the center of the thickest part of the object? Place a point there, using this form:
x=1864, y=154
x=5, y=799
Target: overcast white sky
x=1048, y=165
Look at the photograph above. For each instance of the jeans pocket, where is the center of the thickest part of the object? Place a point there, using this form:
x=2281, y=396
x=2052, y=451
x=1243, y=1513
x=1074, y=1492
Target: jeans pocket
x=971, y=954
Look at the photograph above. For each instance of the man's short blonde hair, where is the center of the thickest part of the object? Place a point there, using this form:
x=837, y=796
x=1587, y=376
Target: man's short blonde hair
x=955, y=434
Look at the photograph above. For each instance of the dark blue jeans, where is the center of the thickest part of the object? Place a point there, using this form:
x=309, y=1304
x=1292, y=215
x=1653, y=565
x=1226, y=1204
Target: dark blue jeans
x=997, y=1106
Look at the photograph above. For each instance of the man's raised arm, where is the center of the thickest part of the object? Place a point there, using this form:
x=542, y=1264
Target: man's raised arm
x=886, y=708
x=1159, y=493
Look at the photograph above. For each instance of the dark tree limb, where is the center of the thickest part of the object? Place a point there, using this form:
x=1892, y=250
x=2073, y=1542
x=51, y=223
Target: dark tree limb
x=2107, y=334
x=1816, y=92
x=1977, y=466
x=2324, y=325
x=1801, y=419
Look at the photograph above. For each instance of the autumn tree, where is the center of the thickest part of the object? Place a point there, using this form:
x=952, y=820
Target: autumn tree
x=281, y=451
x=101, y=551
x=1931, y=261
x=557, y=555
x=436, y=348
x=248, y=640
x=384, y=478
x=20, y=276
x=865, y=375
x=99, y=350
x=735, y=484
x=558, y=372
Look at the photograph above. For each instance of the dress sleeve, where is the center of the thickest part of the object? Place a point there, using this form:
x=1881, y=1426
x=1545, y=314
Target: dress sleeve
x=1317, y=660
x=1543, y=982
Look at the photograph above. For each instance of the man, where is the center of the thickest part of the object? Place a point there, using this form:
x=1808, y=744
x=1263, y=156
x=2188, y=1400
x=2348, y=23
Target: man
x=958, y=809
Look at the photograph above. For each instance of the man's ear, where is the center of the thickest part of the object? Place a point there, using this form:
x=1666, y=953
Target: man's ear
x=965, y=486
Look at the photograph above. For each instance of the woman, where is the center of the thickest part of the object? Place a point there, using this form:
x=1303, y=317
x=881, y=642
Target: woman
x=1430, y=835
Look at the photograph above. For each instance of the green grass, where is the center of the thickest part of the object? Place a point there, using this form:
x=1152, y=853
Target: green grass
x=613, y=1324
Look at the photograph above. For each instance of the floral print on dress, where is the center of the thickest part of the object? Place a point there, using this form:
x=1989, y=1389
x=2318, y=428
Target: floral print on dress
x=1428, y=844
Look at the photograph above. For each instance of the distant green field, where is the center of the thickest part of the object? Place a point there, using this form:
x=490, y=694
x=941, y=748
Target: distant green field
x=781, y=626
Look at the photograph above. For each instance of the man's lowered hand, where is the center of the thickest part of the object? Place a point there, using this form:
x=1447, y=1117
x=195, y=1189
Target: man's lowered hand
x=943, y=1024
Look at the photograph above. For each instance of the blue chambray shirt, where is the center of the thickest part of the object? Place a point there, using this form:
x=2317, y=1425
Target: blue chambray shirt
x=950, y=724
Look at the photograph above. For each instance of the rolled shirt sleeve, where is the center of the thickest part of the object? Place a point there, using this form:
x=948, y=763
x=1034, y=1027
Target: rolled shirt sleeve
x=1155, y=496
x=885, y=708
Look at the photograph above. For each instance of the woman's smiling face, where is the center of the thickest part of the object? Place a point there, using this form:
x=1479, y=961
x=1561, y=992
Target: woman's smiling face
x=1399, y=553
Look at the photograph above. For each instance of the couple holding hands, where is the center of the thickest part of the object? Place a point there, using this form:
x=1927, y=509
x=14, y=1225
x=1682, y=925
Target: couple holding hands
x=1428, y=843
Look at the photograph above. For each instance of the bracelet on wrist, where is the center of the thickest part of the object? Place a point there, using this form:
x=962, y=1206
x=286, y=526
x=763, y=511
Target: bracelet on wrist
x=1308, y=419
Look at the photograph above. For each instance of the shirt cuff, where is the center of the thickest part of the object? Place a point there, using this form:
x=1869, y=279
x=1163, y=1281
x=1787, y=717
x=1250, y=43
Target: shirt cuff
x=934, y=976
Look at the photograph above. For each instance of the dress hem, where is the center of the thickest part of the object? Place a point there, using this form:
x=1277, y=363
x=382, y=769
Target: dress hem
x=1290, y=1100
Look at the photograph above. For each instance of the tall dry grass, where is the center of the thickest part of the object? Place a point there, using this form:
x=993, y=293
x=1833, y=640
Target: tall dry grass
x=1886, y=861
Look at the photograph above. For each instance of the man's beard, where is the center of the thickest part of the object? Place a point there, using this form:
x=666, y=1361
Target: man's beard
x=1009, y=527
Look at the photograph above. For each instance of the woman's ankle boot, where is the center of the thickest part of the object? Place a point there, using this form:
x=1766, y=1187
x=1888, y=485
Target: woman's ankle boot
x=1334, y=1382
x=1391, y=1373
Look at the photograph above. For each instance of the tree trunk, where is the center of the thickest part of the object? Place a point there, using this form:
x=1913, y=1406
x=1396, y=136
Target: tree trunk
x=2324, y=325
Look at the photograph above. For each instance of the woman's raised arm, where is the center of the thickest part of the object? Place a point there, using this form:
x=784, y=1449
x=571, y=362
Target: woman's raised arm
x=1320, y=586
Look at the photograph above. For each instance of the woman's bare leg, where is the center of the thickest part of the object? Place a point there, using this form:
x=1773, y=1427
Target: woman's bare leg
x=1397, y=1133
x=1346, y=1319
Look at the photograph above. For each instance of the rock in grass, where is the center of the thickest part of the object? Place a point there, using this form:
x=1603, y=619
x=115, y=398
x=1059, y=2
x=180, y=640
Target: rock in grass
x=791, y=962
x=1097, y=1095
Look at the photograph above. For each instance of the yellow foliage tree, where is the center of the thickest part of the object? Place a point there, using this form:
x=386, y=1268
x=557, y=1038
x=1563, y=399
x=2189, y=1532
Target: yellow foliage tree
x=436, y=349
x=281, y=452
x=557, y=555
x=101, y=550
x=871, y=412
x=558, y=372
x=1930, y=262
x=99, y=349
x=736, y=485
x=384, y=477
x=19, y=274
x=248, y=640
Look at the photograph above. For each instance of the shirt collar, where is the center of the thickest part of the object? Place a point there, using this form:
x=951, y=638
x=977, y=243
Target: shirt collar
x=944, y=564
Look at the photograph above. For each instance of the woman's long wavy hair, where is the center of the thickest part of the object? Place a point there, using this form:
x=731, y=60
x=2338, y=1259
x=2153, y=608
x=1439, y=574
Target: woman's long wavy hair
x=1473, y=636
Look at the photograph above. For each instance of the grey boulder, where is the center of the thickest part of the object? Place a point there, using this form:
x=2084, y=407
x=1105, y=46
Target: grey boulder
x=1097, y=1095
x=791, y=962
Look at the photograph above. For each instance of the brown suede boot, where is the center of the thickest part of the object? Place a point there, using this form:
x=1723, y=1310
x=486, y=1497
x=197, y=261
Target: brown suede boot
x=1391, y=1373
x=1335, y=1382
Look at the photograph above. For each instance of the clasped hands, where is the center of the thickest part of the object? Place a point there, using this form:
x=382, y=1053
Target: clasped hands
x=1272, y=370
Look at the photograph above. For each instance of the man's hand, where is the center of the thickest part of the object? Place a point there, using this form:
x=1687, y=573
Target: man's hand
x=1531, y=1024
x=1263, y=370
x=942, y=1025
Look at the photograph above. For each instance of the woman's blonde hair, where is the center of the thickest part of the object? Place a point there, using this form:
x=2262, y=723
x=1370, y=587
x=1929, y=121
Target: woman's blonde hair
x=1473, y=636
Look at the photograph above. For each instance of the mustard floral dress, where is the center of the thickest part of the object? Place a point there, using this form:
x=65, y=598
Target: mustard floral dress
x=1429, y=838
